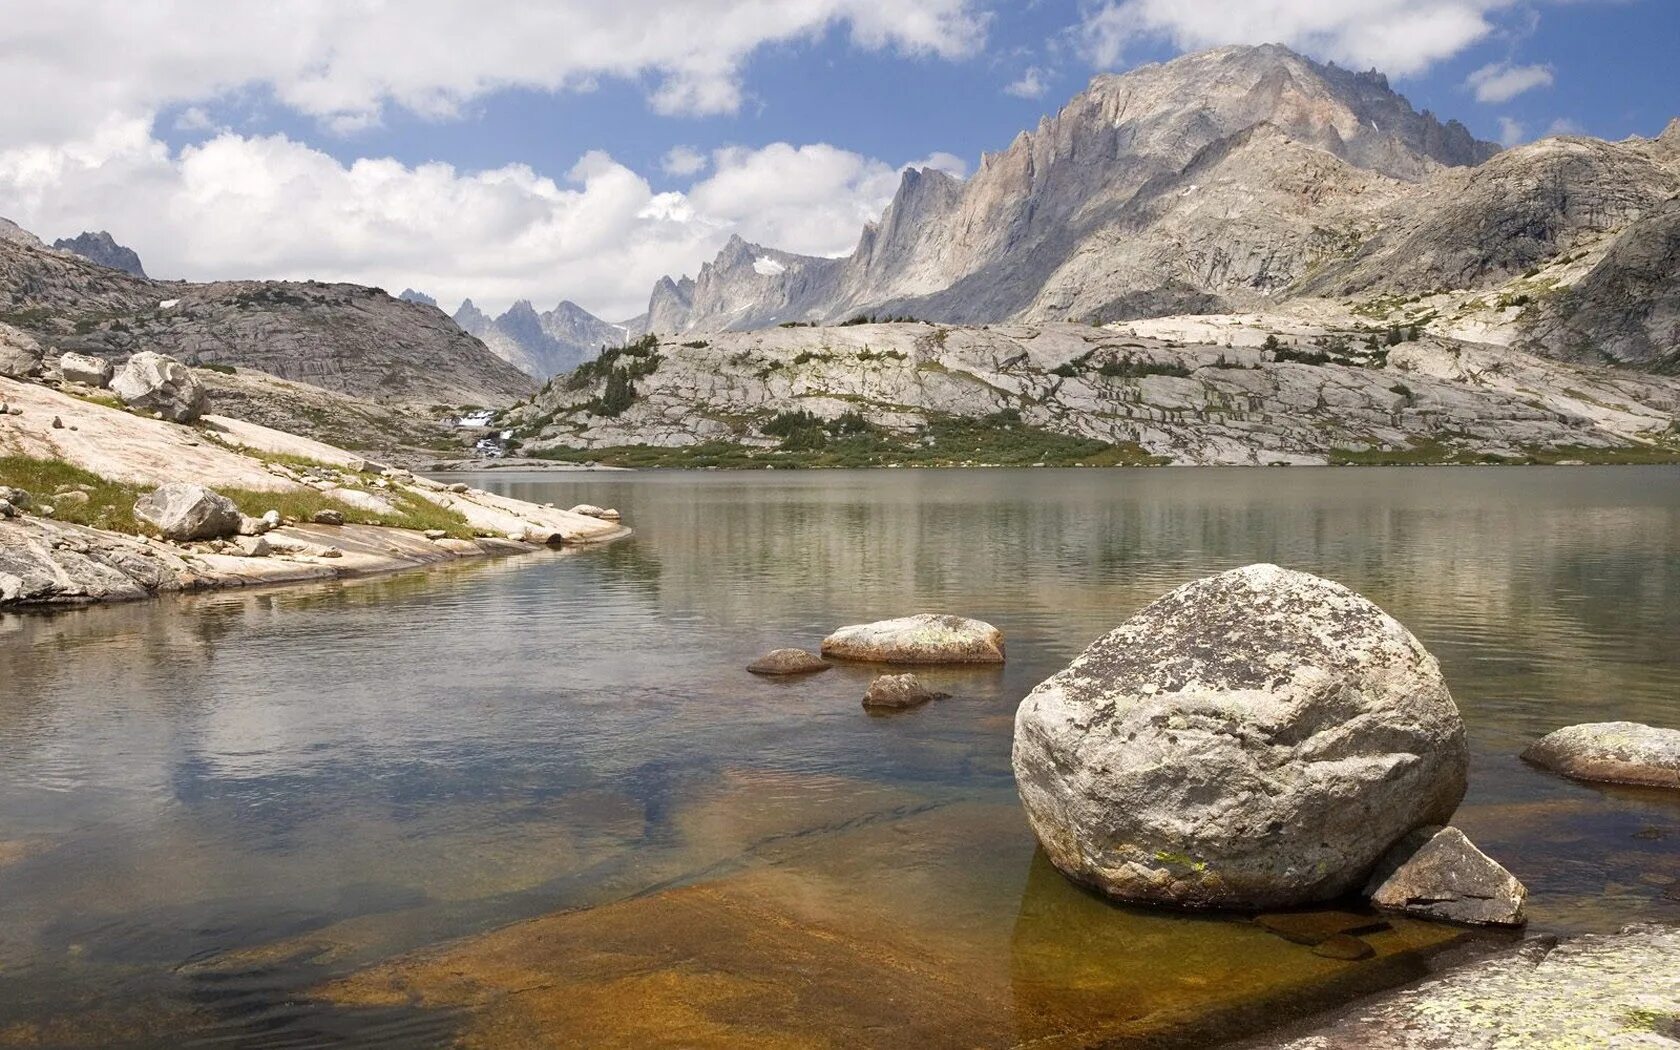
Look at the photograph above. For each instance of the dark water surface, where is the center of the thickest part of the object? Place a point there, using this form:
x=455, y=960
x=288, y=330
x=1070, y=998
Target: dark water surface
x=265, y=818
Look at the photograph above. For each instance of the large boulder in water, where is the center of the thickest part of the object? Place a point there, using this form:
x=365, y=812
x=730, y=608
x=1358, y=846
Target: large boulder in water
x=183, y=511
x=920, y=639
x=1611, y=753
x=156, y=383
x=1256, y=739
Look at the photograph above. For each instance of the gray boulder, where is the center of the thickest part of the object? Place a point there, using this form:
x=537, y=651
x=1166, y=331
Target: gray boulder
x=328, y=517
x=20, y=354
x=921, y=639
x=788, y=662
x=184, y=511
x=1255, y=739
x=592, y=511
x=155, y=383
x=19, y=498
x=1437, y=873
x=84, y=369
x=898, y=691
x=1611, y=753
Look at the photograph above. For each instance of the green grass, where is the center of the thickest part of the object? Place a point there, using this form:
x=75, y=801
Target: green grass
x=412, y=512
x=110, y=504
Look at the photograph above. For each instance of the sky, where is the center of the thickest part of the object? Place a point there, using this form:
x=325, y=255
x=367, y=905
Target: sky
x=572, y=149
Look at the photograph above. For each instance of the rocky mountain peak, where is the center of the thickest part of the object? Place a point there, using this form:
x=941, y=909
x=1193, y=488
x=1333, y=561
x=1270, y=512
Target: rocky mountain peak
x=472, y=319
x=15, y=234
x=409, y=295
x=102, y=248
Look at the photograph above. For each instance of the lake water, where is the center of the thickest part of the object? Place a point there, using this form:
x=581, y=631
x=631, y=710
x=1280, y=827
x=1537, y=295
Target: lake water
x=309, y=816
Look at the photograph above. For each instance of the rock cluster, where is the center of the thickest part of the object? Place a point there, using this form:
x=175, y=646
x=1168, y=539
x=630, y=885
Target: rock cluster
x=1257, y=739
x=922, y=639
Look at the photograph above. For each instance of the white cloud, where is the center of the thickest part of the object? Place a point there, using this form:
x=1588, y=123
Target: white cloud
x=1501, y=81
x=82, y=63
x=949, y=163
x=1029, y=85
x=683, y=161
x=272, y=207
x=1511, y=132
x=1399, y=36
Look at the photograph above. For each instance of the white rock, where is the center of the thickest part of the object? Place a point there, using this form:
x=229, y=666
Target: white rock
x=184, y=511
x=84, y=369
x=153, y=382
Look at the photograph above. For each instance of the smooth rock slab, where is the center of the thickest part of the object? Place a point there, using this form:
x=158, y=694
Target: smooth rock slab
x=184, y=511
x=899, y=691
x=1611, y=753
x=788, y=662
x=1437, y=873
x=922, y=639
x=1256, y=739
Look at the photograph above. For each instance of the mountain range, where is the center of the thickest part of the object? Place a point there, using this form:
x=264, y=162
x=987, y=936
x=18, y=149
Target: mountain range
x=541, y=344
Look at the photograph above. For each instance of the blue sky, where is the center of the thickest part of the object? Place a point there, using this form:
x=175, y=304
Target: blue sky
x=509, y=150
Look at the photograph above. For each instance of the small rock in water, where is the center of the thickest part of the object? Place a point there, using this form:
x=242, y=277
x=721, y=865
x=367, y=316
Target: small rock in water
x=1437, y=873
x=1611, y=753
x=328, y=517
x=1343, y=946
x=787, y=662
x=899, y=691
x=920, y=639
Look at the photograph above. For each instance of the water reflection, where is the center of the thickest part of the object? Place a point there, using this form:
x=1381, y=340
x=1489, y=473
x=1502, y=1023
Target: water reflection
x=215, y=807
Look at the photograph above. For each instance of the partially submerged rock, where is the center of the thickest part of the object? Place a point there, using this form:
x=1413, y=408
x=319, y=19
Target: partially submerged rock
x=1611, y=753
x=184, y=511
x=1256, y=739
x=84, y=369
x=156, y=383
x=788, y=662
x=921, y=639
x=898, y=691
x=1437, y=873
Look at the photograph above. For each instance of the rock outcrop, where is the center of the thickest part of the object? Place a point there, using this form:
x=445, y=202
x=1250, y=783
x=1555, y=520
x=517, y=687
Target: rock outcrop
x=20, y=353
x=788, y=662
x=155, y=383
x=1437, y=873
x=922, y=639
x=184, y=511
x=541, y=344
x=898, y=691
x=103, y=249
x=1256, y=739
x=1611, y=753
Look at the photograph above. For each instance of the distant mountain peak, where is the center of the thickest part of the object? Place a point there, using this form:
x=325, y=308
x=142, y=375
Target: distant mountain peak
x=100, y=247
x=409, y=295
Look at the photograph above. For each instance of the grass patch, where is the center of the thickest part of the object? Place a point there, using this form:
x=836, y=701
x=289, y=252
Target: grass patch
x=412, y=511
x=110, y=504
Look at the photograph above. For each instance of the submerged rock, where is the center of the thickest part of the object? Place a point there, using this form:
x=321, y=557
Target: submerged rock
x=1437, y=873
x=1256, y=739
x=1611, y=753
x=899, y=691
x=160, y=384
x=921, y=639
x=84, y=369
x=184, y=511
x=788, y=661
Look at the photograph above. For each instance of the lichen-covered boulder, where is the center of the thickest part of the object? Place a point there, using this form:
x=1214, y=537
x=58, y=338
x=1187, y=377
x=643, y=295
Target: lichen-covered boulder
x=788, y=662
x=85, y=369
x=1438, y=873
x=1611, y=753
x=183, y=511
x=921, y=639
x=20, y=353
x=156, y=383
x=1256, y=739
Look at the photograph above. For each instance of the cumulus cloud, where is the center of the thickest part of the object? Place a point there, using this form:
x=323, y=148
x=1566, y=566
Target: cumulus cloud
x=1511, y=132
x=1565, y=126
x=1502, y=81
x=270, y=206
x=683, y=161
x=1399, y=36
x=1028, y=85
x=84, y=62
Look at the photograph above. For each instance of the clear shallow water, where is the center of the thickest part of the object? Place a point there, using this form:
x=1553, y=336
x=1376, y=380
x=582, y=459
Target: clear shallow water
x=222, y=816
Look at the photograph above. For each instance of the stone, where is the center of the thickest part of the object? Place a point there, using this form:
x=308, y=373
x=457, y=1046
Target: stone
x=589, y=510
x=328, y=517
x=922, y=639
x=183, y=511
x=8, y=509
x=458, y=487
x=1345, y=947
x=19, y=498
x=1256, y=739
x=788, y=662
x=155, y=383
x=57, y=423
x=20, y=354
x=85, y=369
x=1437, y=873
x=251, y=546
x=898, y=691
x=1316, y=927
x=250, y=526
x=271, y=518
x=332, y=552
x=1611, y=753
x=436, y=534
x=71, y=498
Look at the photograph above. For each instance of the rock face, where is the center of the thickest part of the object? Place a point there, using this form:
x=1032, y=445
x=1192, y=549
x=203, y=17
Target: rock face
x=788, y=662
x=1437, y=873
x=185, y=511
x=922, y=639
x=89, y=371
x=1611, y=753
x=541, y=344
x=1255, y=739
x=1603, y=991
x=155, y=383
x=103, y=249
x=897, y=691
x=20, y=353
